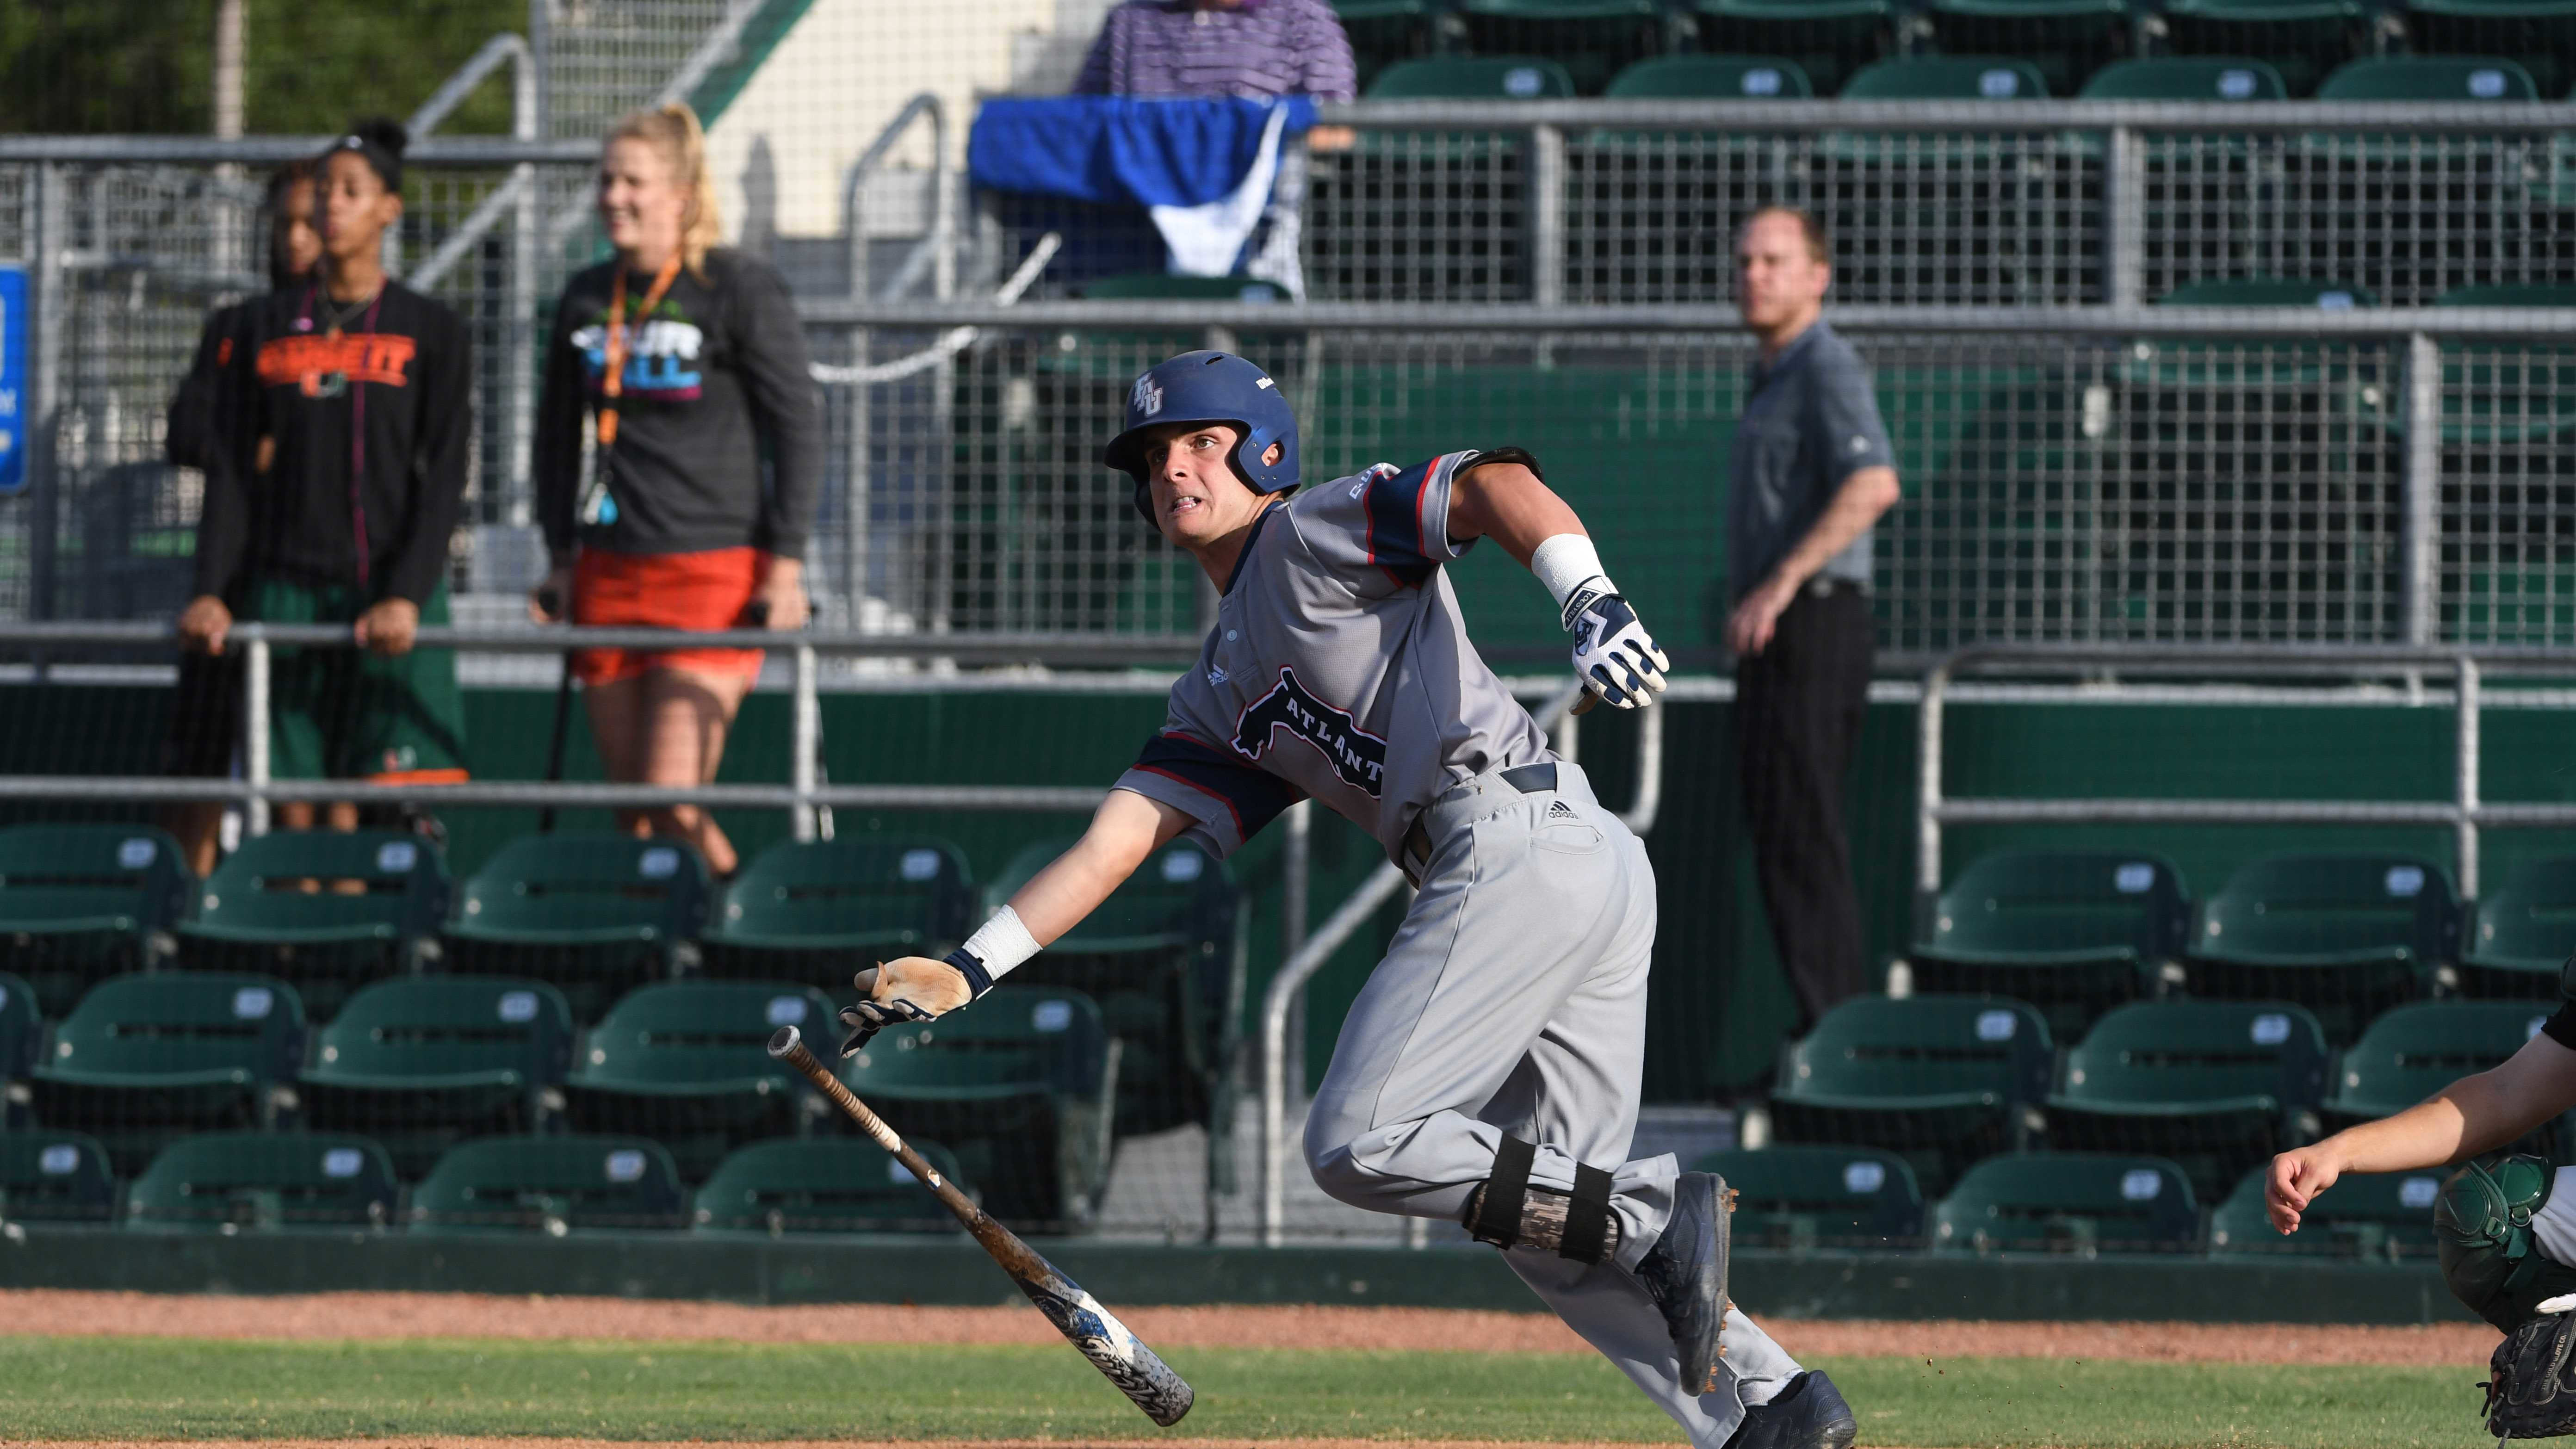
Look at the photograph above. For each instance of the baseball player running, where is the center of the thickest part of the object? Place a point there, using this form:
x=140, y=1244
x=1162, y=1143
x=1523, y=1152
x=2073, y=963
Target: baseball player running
x=1492, y=1062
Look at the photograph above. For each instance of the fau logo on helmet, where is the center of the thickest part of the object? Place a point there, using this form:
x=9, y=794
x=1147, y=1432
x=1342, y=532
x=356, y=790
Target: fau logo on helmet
x=1147, y=399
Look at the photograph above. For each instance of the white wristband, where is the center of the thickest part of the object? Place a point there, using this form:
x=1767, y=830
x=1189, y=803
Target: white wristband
x=1566, y=562
x=1002, y=943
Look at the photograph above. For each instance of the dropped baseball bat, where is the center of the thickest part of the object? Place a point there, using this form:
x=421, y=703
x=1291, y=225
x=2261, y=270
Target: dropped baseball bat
x=1117, y=1353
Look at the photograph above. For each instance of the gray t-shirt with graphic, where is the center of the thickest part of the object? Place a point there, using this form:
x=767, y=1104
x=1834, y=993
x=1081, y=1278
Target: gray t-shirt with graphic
x=1339, y=668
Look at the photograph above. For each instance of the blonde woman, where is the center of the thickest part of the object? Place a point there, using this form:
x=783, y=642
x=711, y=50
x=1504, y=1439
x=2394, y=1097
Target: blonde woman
x=676, y=371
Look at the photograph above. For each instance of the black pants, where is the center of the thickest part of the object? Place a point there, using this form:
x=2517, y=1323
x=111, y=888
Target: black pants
x=1798, y=707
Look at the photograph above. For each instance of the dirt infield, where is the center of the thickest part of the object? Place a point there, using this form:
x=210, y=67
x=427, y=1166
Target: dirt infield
x=459, y=1315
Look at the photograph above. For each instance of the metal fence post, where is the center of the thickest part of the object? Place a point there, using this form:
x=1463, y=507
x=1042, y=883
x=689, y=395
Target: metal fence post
x=2467, y=777
x=1546, y=203
x=2124, y=214
x=1296, y=883
x=43, y=405
x=255, y=735
x=806, y=738
x=2423, y=529
x=1927, y=788
x=527, y=111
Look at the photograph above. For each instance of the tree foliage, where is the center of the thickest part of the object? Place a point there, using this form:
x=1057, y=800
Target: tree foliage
x=146, y=66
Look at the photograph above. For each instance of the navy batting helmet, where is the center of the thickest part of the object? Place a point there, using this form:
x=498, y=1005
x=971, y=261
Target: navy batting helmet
x=1209, y=387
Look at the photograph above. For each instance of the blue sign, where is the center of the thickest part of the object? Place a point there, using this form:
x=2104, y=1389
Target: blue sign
x=13, y=379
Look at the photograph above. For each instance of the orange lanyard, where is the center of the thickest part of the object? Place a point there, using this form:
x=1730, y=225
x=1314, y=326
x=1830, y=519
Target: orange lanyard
x=614, y=383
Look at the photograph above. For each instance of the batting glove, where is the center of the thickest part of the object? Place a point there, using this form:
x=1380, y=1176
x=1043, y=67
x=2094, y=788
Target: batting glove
x=910, y=989
x=1613, y=654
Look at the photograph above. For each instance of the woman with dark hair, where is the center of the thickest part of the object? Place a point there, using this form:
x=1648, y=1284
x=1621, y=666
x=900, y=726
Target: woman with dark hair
x=205, y=708
x=337, y=479
x=687, y=363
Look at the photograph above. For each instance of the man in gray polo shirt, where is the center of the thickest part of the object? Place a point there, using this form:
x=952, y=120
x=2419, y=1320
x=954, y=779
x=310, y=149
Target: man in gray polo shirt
x=1811, y=472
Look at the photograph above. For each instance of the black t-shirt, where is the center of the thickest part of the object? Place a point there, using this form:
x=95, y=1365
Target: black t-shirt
x=714, y=375
x=369, y=424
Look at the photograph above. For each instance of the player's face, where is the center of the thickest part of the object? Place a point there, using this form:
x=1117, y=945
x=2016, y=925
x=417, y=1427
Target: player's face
x=299, y=241
x=356, y=208
x=1776, y=278
x=642, y=201
x=1197, y=497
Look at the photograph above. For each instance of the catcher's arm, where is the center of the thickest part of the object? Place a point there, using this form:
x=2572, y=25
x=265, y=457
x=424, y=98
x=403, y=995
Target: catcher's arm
x=2478, y=1113
x=1124, y=831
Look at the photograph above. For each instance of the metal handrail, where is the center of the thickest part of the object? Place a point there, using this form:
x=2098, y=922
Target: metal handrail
x=854, y=191
x=2123, y=322
x=1910, y=116
x=2465, y=813
x=1306, y=958
x=450, y=151
x=1050, y=649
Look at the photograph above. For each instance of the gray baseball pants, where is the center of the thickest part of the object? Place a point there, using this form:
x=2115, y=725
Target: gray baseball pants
x=1513, y=999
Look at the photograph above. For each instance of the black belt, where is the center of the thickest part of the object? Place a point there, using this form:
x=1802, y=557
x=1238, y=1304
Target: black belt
x=1528, y=779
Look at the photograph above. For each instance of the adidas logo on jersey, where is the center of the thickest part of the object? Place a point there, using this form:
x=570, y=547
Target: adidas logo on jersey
x=1559, y=810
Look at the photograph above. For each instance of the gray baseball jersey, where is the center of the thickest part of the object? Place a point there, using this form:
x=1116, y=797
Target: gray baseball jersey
x=1339, y=668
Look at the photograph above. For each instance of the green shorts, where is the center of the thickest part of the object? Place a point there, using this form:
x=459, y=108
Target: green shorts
x=347, y=714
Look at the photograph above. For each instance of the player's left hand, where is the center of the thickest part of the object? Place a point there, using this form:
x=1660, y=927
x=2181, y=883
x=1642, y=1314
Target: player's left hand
x=1613, y=654
x=389, y=626
x=906, y=989
x=779, y=602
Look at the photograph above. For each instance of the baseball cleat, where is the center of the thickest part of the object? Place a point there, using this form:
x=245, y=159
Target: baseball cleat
x=1808, y=1414
x=1685, y=1273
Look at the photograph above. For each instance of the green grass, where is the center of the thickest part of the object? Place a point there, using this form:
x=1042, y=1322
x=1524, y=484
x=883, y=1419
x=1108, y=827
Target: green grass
x=52, y=1388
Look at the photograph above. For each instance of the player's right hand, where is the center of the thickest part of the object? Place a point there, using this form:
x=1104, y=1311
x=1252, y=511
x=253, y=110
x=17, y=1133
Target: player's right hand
x=2295, y=1180
x=204, y=623
x=1613, y=654
x=906, y=989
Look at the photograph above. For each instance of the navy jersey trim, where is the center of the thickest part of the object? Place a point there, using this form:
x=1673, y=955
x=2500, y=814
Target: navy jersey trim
x=1395, y=525
x=1254, y=797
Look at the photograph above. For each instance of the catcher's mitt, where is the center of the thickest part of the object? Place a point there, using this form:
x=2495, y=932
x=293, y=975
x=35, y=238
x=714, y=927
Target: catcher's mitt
x=2530, y=1393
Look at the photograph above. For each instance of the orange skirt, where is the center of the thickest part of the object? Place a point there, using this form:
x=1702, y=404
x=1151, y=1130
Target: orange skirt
x=708, y=590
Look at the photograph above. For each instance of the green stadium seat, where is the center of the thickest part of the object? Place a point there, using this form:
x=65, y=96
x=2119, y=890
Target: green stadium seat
x=2073, y=933
x=685, y=1064
x=2303, y=39
x=1828, y=39
x=1593, y=39
x=598, y=915
x=421, y=1064
x=1941, y=1080
x=2190, y=390
x=2215, y=1085
x=825, y=1185
x=2364, y=1215
x=2186, y=78
x=22, y=1030
x=1383, y=32
x=552, y=1185
x=255, y=1181
x=1808, y=1197
x=2416, y=1050
x=815, y=911
x=2523, y=933
x=2068, y=1202
x=1711, y=77
x=1022, y=1086
x=1164, y=957
x=55, y=1177
x=2067, y=40
x=79, y=903
x=2541, y=34
x=1949, y=78
x=2430, y=78
x=1473, y=78
x=145, y=1060
x=326, y=911
x=2325, y=296
x=2509, y=392
x=2347, y=935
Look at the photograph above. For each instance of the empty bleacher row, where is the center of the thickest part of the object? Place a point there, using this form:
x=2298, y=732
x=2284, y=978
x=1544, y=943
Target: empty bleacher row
x=2077, y=1058
x=1597, y=45
x=321, y=987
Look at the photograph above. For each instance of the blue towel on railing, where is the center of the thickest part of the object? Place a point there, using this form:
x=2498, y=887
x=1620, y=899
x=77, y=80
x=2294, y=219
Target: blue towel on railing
x=1203, y=169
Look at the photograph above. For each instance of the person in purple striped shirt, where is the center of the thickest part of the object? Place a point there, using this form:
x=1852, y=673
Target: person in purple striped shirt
x=1259, y=49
